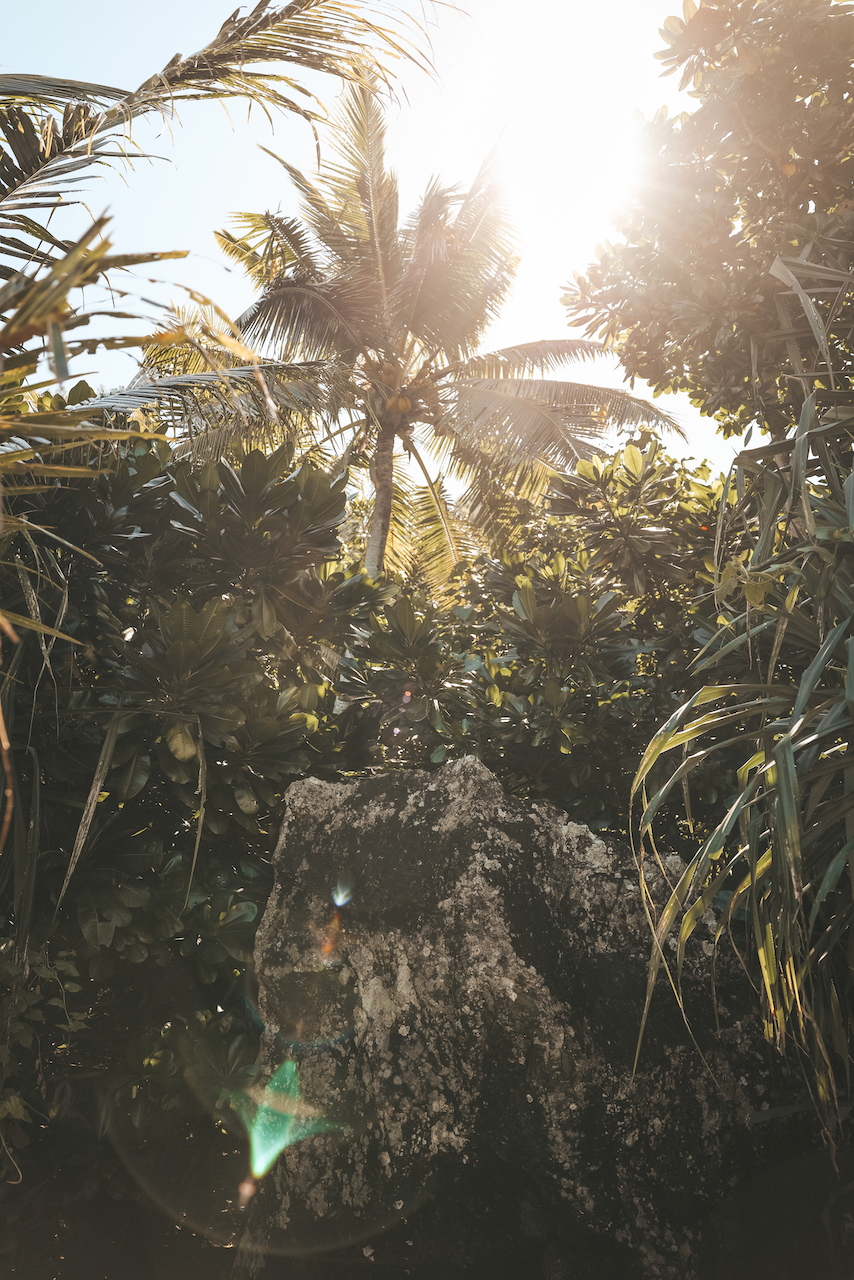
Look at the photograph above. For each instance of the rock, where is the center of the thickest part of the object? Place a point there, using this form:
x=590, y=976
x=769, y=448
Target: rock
x=468, y=1023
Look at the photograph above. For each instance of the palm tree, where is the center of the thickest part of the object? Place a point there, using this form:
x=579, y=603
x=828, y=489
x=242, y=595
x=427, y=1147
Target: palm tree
x=400, y=310
x=51, y=132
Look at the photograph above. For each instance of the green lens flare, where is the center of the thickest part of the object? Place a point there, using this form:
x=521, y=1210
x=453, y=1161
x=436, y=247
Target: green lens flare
x=278, y=1120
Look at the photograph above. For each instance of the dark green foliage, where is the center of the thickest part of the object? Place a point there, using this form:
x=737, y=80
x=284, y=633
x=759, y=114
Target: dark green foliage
x=734, y=283
x=177, y=630
x=759, y=166
x=778, y=856
x=216, y=651
x=554, y=663
x=204, y=621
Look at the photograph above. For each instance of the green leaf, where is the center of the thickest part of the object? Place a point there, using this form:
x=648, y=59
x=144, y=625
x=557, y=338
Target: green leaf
x=633, y=461
x=246, y=798
x=129, y=779
x=264, y=617
x=406, y=619
x=787, y=811
x=29, y=624
x=182, y=656
x=222, y=720
x=525, y=603
x=180, y=739
x=830, y=879
x=816, y=668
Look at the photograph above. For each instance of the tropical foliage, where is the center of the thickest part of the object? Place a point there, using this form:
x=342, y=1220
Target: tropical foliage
x=733, y=282
x=181, y=679
x=191, y=635
x=38, y=429
x=209, y=651
x=778, y=859
x=394, y=314
x=53, y=130
x=44, y=156
x=552, y=663
x=76, y=855
x=760, y=170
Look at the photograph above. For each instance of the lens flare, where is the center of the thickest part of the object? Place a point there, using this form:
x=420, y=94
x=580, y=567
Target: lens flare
x=330, y=937
x=278, y=1119
x=342, y=893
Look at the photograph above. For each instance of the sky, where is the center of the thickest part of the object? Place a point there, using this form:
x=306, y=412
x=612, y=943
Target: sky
x=553, y=85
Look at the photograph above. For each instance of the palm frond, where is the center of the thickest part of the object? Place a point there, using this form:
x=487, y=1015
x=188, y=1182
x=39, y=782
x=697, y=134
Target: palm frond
x=527, y=358
x=43, y=159
x=32, y=304
x=328, y=36
x=36, y=430
x=269, y=245
x=433, y=489
x=318, y=215
x=30, y=251
x=519, y=420
x=459, y=295
x=486, y=258
x=199, y=379
x=48, y=91
x=192, y=340
x=526, y=429
x=425, y=234
x=311, y=320
x=43, y=155
x=191, y=403
x=444, y=536
x=473, y=465
x=426, y=245
x=362, y=172
x=491, y=502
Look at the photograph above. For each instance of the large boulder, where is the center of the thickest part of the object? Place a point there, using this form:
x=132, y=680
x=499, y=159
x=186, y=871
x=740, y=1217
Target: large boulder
x=468, y=1024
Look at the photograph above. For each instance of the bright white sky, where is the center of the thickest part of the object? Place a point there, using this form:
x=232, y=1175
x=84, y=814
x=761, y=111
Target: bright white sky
x=554, y=84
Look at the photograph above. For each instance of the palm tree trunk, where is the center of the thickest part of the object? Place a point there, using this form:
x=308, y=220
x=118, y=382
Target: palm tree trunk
x=382, y=471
